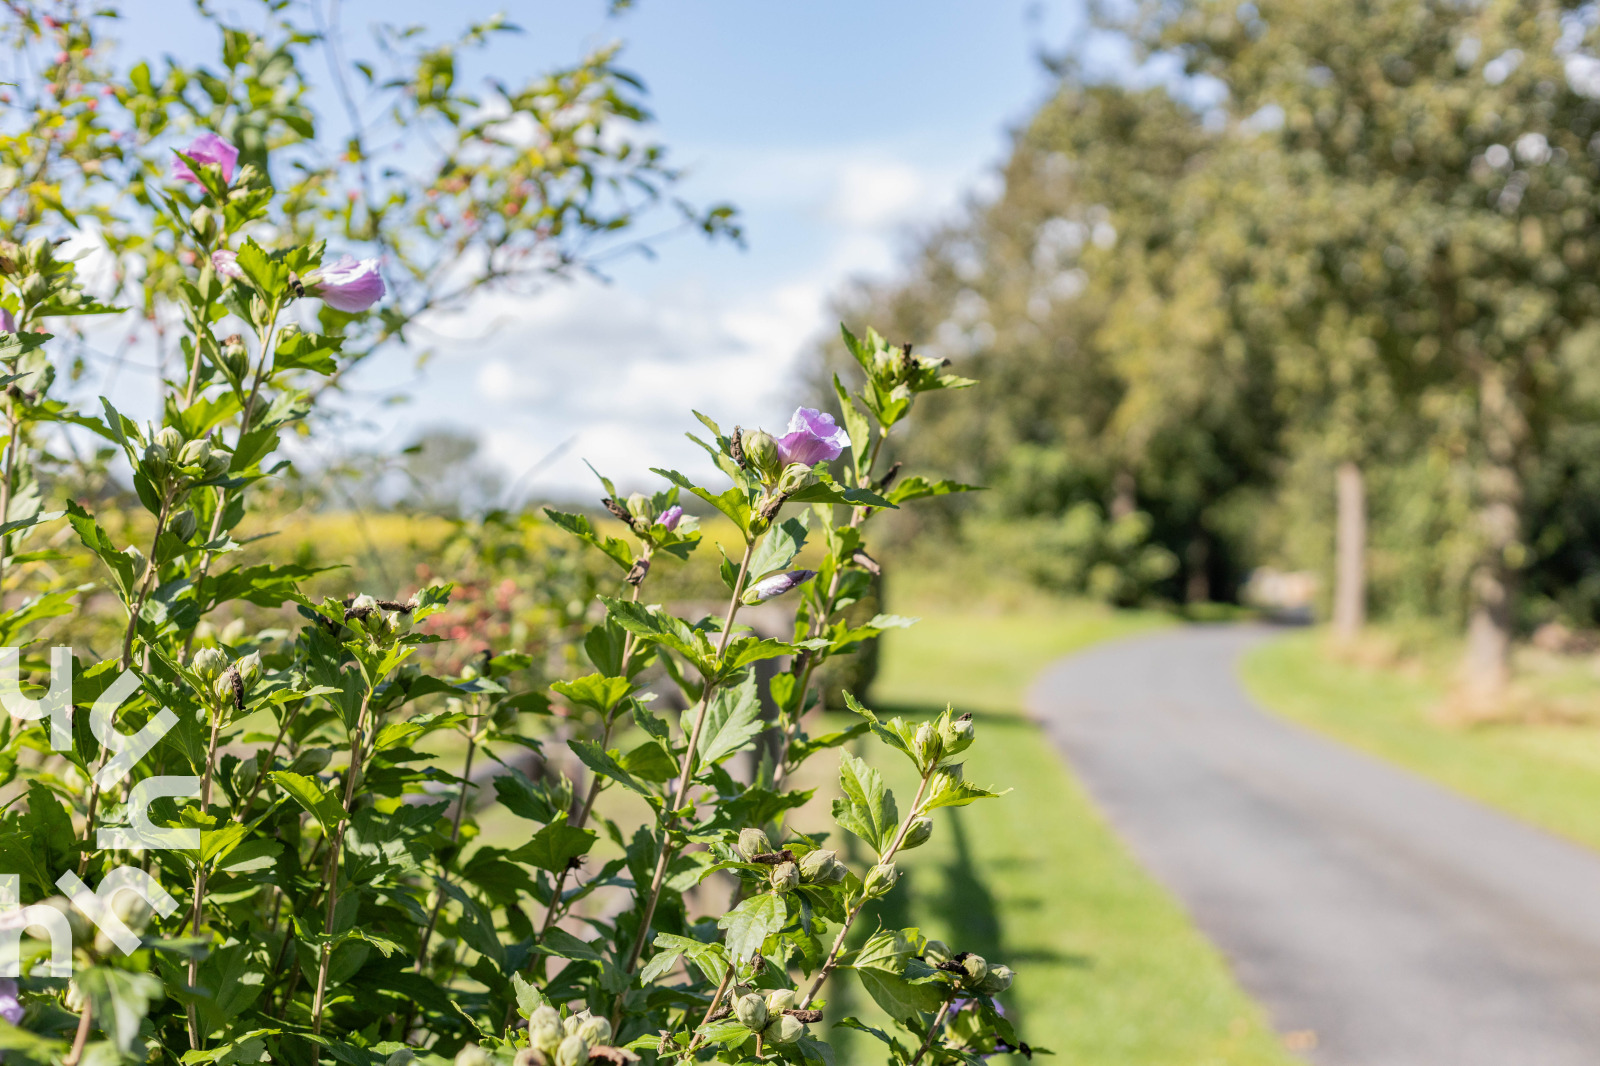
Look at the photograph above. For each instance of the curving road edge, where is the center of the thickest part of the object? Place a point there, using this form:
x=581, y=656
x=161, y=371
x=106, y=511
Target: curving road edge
x=1401, y=923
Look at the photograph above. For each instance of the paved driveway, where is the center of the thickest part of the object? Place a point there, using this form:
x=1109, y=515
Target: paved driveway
x=1403, y=924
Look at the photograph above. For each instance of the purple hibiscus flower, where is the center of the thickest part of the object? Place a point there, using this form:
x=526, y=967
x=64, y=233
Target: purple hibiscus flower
x=207, y=148
x=776, y=585
x=226, y=264
x=10, y=1005
x=813, y=438
x=350, y=284
x=671, y=517
x=8, y=324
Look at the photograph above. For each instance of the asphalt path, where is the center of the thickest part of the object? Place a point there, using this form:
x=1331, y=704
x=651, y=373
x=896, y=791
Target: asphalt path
x=1401, y=923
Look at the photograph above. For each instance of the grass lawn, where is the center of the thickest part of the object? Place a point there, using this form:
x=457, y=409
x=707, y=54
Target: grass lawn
x=1109, y=968
x=1547, y=773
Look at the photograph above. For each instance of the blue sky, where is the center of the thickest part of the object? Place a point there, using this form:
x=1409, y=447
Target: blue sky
x=837, y=128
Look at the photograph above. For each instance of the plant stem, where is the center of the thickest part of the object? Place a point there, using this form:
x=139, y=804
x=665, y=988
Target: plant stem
x=331, y=871
x=144, y=581
x=933, y=1030
x=684, y=783
x=76, y=1054
x=6, y=487
x=261, y=770
x=838, y=943
x=455, y=835
x=200, y=873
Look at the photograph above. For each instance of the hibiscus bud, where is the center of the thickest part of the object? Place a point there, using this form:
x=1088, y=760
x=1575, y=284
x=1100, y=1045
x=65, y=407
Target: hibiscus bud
x=781, y=1000
x=996, y=981
x=472, y=1055
x=772, y=587
x=235, y=357
x=250, y=668
x=821, y=867
x=210, y=662
x=946, y=779
x=880, y=879
x=169, y=440
x=74, y=998
x=244, y=778
x=529, y=1056
x=194, y=453
x=311, y=761
x=918, y=833
x=784, y=877
x=183, y=525
x=671, y=517
x=751, y=1010
x=753, y=842
x=977, y=969
x=215, y=465
x=935, y=952
x=573, y=1051
x=957, y=734
x=204, y=222
x=595, y=1030
x=640, y=507
x=784, y=1029
x=761, y=452
x=926, y=745
x=544, y=1030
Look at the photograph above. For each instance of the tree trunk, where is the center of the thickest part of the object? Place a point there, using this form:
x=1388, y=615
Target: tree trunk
x=1124, y=495
x=1197, y=587
x=1350, y=554
x=1492, y=590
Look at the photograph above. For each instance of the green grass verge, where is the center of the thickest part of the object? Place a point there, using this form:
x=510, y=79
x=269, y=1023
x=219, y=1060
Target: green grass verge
x=1547, y=774
x=1110, y=971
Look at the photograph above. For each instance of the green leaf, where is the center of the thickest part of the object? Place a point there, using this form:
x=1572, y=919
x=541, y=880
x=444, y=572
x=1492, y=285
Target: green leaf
x=523, y=798
x=954, y=792
x=899, y=984
x=750, y=923
x=732, y=719
x=918, y=487
x=95, y=539
x=579, y=526
x=528, y=997
x=268, y=276
x=605, y=764
x=867, y=809
x=733, y=502
x=557, y=941
x=555, y=846
x=710, y=958
x=855, y=424
x=595, y=690
x=827, y=490
x=306, y=792
x=779, y=547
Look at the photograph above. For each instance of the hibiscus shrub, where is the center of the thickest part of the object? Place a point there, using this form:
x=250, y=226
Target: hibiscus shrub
x=226, y=846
